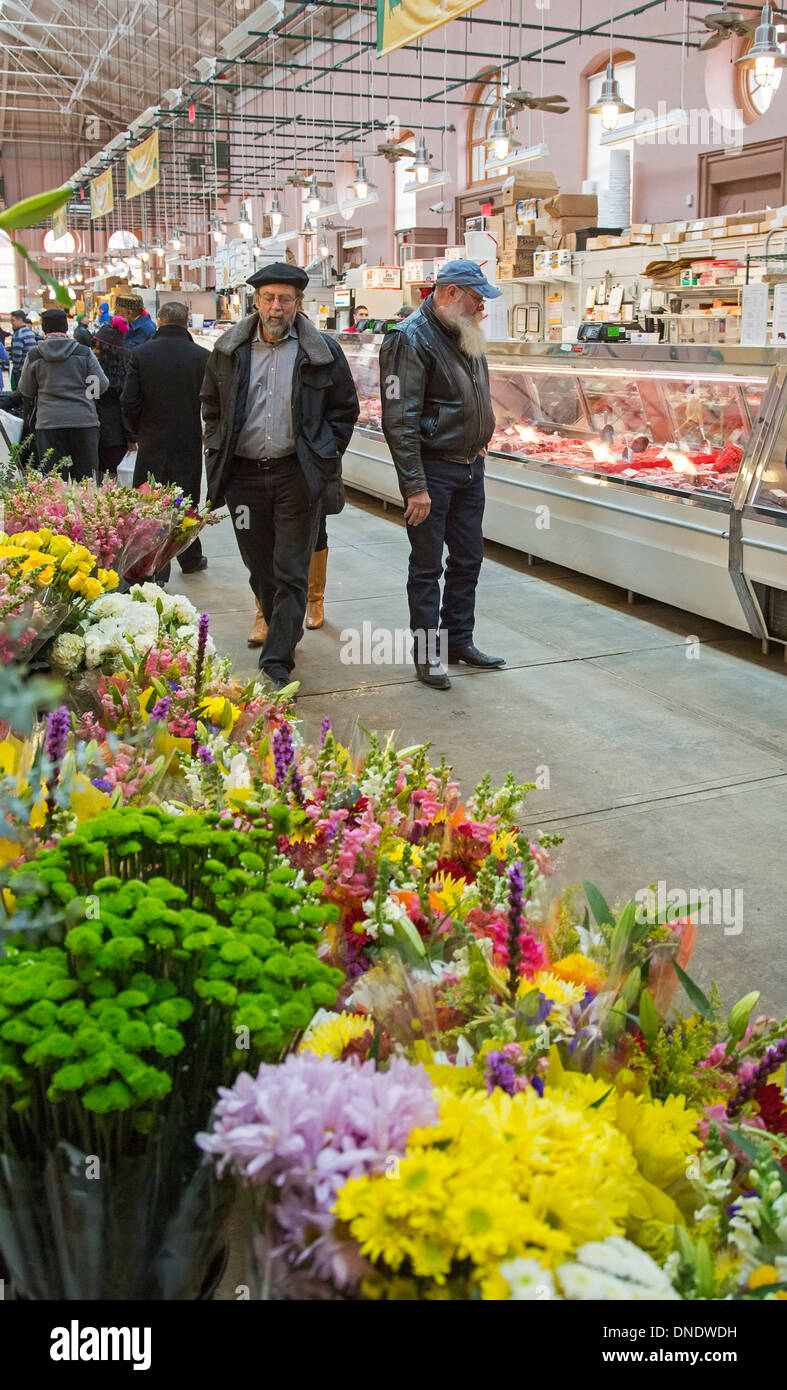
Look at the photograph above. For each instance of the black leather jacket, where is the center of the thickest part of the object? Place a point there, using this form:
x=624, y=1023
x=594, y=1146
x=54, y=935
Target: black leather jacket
x=435, y=400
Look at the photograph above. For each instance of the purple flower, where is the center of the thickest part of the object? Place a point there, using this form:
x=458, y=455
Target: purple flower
x=325, y=726
x=286, y=768
x=306, y=1127
x=538, y=1085
x=202, y=641
x=771, y=1062
x=499, y=1073
x=516, y=895
x=101, y=784
x=161, y=708
x=205, y=756
x=58, y=726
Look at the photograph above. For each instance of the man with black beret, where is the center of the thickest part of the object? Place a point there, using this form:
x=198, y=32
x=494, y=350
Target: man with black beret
x=278, y=405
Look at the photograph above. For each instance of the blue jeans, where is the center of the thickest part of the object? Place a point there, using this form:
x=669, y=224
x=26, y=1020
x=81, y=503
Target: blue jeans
x=276, y=527
x=455, y=520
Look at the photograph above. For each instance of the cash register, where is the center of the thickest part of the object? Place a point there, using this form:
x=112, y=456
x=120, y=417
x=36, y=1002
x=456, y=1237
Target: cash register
x=603, y=332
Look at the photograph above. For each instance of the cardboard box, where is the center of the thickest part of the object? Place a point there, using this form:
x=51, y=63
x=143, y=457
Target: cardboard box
x=535, y=184
x=418, y=272
x=584, y=205
x=493, y=226
x=514, y=266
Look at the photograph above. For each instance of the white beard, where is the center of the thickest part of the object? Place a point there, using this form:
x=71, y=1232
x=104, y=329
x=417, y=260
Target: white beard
x=467, y=329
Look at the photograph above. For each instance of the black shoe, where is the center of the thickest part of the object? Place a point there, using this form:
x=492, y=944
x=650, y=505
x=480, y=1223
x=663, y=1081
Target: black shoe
x=202, y=564
x=433, y=674
x=473, y=657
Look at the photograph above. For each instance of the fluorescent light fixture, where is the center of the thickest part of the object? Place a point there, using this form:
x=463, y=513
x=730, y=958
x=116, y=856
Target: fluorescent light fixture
x=435, y=180
x=353, y=245
x=260, y=20
x=348, y=208
x=522, y=154
x=327, y=211
x=119, y=143
x=271, y=243
x=205, y=68
x=652, y=125
x=148, y=118
x=173, y=97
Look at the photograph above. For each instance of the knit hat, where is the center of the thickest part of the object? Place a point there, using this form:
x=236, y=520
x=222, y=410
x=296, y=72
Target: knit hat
x=54, y=321
x=131, y=302
x=113, y=333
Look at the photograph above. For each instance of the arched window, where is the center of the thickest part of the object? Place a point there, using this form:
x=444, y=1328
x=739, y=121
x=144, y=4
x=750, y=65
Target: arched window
x=59, y=246
x=486, y=95
x=122, y=241
x=625, y=72
x=755, y=94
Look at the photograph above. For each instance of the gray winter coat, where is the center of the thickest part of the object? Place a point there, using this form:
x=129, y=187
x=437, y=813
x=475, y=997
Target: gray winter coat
x=65, y=379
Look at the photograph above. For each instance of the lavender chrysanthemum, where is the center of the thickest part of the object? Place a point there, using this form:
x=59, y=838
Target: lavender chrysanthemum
x=306, y=1127
x=325, y=727
x=161, y=708
x=205, y=756
x=285, y=766
x=500, y=1073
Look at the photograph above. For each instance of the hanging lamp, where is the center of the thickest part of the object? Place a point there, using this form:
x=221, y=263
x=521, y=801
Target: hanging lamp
x=313, y=199
x=276, y=215
x=500, y=135
x=422, y=164
x=361, y=181
x=610, y=104
x=765, y=57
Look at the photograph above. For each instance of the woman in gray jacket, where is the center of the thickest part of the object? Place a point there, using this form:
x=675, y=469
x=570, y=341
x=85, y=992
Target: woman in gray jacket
x=64, y=380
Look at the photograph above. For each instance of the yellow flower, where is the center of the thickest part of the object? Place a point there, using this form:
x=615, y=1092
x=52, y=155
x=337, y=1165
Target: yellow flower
x=502, y=841
x=580, y=970
x=45, y=576
x=76, y=582
x=332, y=1035
x=662, y=1133
x=766, y=1274
x=561, y=992
x=35, y=560
x=44, y=538
x=219, y=710
x=91, y=589
x=448, y=891
x=107, y=579
x=59, y=546
x=69, y=562
x=27, y=539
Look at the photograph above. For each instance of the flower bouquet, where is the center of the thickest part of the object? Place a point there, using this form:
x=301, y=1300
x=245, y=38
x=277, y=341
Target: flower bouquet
x=46, y=582
x=147, y=959
x=161, y=535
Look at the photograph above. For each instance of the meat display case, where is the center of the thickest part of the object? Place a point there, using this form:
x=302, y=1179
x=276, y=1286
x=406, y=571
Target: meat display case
x=660, y=469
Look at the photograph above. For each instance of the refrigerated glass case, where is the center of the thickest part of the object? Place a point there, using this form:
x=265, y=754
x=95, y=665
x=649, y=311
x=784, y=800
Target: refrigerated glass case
x=660, y=469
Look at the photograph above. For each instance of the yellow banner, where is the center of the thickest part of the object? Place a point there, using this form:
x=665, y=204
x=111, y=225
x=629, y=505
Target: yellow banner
x=142, y=167
x=402, y=21
x=102, y=197
x=60, y=222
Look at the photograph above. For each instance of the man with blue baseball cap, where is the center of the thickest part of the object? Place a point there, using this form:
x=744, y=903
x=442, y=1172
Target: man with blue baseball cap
x=438, y=420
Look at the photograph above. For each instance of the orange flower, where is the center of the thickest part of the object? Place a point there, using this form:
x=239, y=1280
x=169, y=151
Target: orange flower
x=578, y=969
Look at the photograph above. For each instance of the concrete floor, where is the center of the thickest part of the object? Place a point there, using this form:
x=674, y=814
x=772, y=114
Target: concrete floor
x=659, y=766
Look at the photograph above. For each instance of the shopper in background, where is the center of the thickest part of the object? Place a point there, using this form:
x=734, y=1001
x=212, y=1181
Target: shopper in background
x=22, y=340
x=279, y=405
x=82, y=332
x=63, y=380
x=437, y=418
x=113, y=359
x=161, y=411
x=5, y=361
x=141, y=327
x=404, y=313
x=104, y=315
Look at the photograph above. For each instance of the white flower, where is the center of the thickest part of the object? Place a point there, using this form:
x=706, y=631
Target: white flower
x=527, y=1280
x=68, y=650
x=189, y=636
x=238, y=777
x=151, y=593
x=614, y=1269
x=184, y=610
x=93, y=653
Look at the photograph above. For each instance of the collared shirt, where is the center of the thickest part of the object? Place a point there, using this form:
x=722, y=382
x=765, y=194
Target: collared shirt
x=267, y=430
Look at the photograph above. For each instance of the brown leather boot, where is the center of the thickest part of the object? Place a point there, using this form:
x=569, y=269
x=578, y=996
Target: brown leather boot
x=315, y=611
x=260, y=630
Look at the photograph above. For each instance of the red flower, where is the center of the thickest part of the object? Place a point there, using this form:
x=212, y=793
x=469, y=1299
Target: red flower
x=773, y=1111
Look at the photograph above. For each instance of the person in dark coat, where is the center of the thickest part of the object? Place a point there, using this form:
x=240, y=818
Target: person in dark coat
x=279, y=405
x=82, y=333
x=161, y=411
x=113, y=359
x=141, y=327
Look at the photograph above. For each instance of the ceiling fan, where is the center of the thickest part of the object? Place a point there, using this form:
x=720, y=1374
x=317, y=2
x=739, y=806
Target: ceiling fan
x=392, y=152
x=724, y=23
x=516, y=100
x=304, y=180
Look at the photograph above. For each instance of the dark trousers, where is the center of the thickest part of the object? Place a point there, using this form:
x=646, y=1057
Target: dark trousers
x=276, y=527
x=80, y=445
x=455, y=519
x=110, y=457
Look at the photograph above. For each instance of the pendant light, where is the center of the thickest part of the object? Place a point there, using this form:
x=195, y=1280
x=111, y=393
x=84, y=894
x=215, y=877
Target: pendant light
x=217, y=231
x=500, y=135
x=276, y=215
x=422, y=164
x=765, y=57
x=325, y=249
x=175, y=241
x=314, y=195
x=610, y=105
x=245, y=226
x=361, y=180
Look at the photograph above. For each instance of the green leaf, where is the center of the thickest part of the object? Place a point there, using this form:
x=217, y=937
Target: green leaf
x=597, y=1104
x=61, y=293
x=746, y=1147
x=648, y=1016
x=598, y=905
x=621, y=936
x=701, y=1004
x=33, y=210
x=739, y=1015
x=374, y=1050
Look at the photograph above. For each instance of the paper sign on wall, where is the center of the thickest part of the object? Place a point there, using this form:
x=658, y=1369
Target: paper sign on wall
x=102, y=199
x=779, y=330
x=754, y=315
x=142, y=166
x=60, y=222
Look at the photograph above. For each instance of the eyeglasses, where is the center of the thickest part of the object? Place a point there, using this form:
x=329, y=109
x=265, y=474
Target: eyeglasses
x=285, y=300
x=477, y=299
